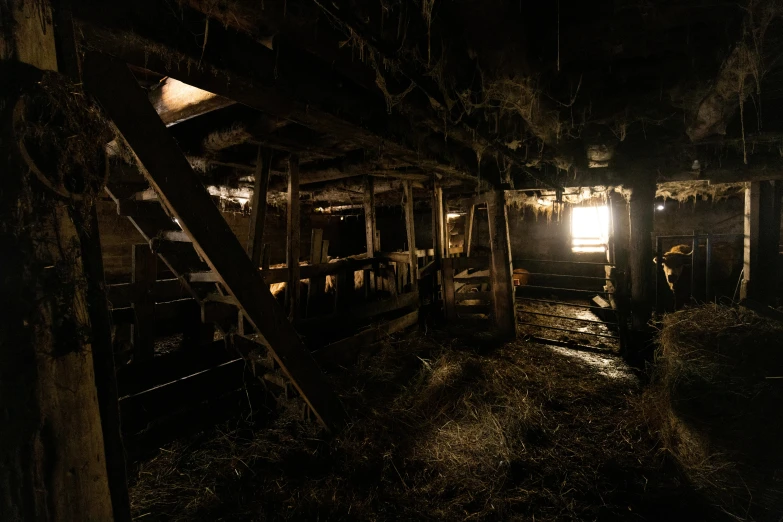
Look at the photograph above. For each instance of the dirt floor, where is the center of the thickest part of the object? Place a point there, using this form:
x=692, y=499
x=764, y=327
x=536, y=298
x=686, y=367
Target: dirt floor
x=441, y=430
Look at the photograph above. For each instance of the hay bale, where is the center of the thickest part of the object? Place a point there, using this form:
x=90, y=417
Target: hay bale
x=716, y=402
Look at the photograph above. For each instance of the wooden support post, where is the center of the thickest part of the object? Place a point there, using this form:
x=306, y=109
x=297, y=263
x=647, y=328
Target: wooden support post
x=145, y=273
x=255, y=240
x=292, y=233
x=325, y=251
x=469, y=229
x=315, y=289
x=52, y=451
x=180, y=190
x=762, y=240
x=500, y=270
x=437, y=223
x=103, y=361
x=371, y=237
x=640, y=252
x=411, y=234
x=448, y=290
x=267, y=258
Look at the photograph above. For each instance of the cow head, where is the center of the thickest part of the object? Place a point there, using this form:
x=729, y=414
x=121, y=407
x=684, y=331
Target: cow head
x=673, y=264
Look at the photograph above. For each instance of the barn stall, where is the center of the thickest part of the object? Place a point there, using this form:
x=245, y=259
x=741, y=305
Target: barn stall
x=379, y=261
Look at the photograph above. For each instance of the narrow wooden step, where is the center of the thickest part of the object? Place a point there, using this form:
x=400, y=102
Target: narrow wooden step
x=202, y=277
x=177, y=236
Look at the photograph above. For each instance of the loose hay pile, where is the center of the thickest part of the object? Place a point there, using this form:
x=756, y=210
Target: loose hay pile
x=716, y=400
x=440, y=431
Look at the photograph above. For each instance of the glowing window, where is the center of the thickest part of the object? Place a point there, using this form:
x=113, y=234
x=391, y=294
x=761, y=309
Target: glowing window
x=589, y=229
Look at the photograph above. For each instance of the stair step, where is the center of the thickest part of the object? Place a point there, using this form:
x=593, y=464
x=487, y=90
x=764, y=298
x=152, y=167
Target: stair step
x=135, y=207
x=181, y=258
x=177, y=236
x=202, y=277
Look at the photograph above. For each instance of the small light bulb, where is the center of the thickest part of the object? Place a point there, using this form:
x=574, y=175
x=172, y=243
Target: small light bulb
x=659, y=207
x=342, y=218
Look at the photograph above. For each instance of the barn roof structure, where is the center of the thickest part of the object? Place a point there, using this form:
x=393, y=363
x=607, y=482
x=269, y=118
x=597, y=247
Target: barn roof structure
x=473, y=93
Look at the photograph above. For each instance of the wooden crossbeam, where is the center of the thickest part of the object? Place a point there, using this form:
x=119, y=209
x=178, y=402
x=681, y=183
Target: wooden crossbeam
x=180, y=190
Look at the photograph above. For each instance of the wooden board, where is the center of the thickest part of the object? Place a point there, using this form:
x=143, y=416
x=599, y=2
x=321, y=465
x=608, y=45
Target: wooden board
x=347, y=350
x=144, y=268
x=293, y=234
x=448, y=289
x=469, y=229
x=170, y=174
x=255, y=246
x=410, y=232
x=503, y=303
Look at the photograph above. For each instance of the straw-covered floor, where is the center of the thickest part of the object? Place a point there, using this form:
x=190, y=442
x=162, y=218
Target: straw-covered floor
x=440, y=431
x=717, y=402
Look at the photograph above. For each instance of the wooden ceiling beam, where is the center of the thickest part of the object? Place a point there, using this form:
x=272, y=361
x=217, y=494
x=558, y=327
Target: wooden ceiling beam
x=247, y=75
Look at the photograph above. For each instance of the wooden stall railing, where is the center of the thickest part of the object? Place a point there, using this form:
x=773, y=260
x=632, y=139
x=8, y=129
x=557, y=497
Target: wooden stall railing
x=466, y=287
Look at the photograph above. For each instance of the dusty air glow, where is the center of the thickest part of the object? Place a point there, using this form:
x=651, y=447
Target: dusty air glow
x=589, y=229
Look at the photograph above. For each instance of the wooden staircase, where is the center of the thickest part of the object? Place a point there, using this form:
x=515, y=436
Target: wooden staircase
x=189, y=234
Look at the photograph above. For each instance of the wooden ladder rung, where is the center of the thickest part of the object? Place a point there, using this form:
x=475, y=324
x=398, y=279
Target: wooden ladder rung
x=176, y=236
x=202, y=277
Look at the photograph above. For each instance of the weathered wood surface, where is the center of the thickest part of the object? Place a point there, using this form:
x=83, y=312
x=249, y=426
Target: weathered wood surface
x=170, y=174
x=640, y=251
x=293, y=231
x=371, y=238
x=469, y=229
x=500, y=270
x=346, y=351
x=145, y=265
x=448, y=289
x=255, y=247
x=762, y=240
x=347, y=318
x=410, y=233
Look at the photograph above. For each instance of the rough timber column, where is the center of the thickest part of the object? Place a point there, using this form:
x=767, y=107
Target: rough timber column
x=640, y=251
x=762, y=239
x=52, y=464
x=500, y=272
x=293, y=223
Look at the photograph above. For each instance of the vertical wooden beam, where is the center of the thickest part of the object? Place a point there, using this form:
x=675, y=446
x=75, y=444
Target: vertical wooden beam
x=267, y=258
x=255, y=240
x=293, y=234
x=52, y=449
x=500, y=269
x=640, y=251
x=103, y=361
x=437, y=223
x=410, y=233
x=371, y=237
x=325, y=251
x=448, y=290
x=316, y=287
x=145, y=272
x=762, y=240
x=469, y=229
